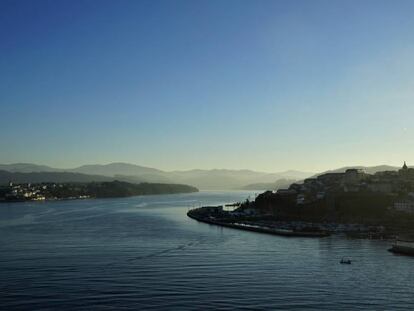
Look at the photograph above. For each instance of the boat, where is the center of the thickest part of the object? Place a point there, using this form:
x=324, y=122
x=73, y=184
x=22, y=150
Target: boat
x=404, y=247
x=345, y=261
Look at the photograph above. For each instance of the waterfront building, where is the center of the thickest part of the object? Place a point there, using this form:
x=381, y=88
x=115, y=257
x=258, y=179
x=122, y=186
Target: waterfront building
x=406, y=206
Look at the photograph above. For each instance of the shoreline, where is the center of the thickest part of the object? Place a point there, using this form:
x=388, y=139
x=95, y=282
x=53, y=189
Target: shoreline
x=280, y=232
x=215, y=215
x=88, y=198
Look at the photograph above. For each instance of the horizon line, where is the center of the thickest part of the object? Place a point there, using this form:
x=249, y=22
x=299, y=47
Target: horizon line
x=199, y=169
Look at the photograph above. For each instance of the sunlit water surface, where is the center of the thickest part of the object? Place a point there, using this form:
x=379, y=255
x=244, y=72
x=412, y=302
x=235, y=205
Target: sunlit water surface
x=144, y=253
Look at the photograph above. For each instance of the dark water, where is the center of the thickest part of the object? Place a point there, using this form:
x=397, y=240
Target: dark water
x=143, y=253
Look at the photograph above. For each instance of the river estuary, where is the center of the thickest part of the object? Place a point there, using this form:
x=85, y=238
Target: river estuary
x=144, y=253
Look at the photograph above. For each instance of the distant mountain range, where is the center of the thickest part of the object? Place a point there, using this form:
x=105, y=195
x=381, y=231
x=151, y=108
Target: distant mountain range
x=27, y=168
x=216, y=179
x=278, y=184
x=58, y=177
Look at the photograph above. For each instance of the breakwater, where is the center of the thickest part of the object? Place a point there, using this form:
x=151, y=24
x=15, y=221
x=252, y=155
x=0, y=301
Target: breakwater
x=196, y=215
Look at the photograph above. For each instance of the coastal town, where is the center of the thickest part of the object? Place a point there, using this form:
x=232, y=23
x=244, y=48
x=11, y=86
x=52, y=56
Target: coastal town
x=354, y=203
x=41, y=192
x=397, y=184
x=74, y=191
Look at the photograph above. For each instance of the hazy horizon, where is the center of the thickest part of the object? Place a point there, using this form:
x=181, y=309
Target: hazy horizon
x=267, y=86
x=198, y=168
x=140, y=164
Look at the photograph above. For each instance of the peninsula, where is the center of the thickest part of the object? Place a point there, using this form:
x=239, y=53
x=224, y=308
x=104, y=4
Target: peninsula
x=65, y=191
x=354, y=203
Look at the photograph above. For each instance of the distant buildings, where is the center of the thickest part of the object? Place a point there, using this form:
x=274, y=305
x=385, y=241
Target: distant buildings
x=22, y=192
x=318, y=188
x=406, y=206
x=34, y=192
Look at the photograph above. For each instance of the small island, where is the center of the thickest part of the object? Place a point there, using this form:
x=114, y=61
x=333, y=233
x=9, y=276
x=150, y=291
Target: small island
x=354, y=203
x=70, y=191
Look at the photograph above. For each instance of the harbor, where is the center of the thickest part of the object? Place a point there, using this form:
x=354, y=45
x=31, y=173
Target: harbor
x=216, y=215
x=202, y=214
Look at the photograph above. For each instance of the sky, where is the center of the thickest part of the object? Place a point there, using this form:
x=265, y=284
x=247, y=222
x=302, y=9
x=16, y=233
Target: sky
x=262, y=85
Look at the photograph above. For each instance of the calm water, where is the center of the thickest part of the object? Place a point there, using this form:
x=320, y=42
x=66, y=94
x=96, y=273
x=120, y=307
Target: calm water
x=143, y=253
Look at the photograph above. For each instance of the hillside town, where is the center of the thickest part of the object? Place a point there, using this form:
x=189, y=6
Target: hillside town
x=41, y=192
x=364, y=205
x=398, y=184
x=71, y=191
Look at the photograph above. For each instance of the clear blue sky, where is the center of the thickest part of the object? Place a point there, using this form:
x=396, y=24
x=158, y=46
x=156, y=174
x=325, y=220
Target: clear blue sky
x=265, y=85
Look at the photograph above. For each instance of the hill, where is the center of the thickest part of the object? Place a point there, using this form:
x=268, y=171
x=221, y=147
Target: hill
x=82, y=190
x=58, y=177
x=117, y=168
x=27, y=168
x=215, y=179
x=230, y=179
x=124, y=189
x=281, y=183
x=366, y=169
